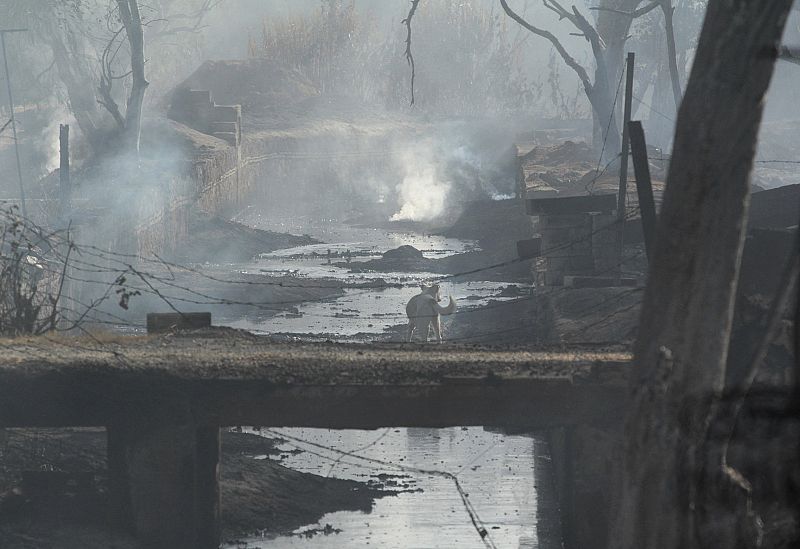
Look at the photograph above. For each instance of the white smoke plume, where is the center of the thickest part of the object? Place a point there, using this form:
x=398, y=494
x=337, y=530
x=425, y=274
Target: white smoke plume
x=422, y=195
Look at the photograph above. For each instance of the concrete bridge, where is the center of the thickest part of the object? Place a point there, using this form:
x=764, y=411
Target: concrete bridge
x=164, y=398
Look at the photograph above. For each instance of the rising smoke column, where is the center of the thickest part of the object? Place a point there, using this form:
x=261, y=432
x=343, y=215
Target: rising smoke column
x=422, y=194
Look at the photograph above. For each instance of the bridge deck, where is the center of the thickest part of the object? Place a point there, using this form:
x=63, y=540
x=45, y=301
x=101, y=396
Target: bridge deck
x=230, y=378
x=163, y=399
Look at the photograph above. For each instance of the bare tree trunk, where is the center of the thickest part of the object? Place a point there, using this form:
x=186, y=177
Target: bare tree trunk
x=129, y=14
x=608, y=44
x=606, y=131
x=82, y=100
x=671, y=493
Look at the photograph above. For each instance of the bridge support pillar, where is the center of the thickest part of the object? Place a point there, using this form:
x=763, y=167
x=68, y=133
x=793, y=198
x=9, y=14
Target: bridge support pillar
x=164, y=479
x=586, y=462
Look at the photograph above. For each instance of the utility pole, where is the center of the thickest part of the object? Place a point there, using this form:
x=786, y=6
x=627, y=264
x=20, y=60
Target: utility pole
x=13, y=120
x=623, y=164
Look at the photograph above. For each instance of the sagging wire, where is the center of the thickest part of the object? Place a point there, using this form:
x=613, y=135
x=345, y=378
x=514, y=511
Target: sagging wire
x=605, y=140
x=475, y=519
x=146, y=277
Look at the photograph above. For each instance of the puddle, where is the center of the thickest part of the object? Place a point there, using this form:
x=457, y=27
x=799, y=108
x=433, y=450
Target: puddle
x=336, y=235
x=497, y=472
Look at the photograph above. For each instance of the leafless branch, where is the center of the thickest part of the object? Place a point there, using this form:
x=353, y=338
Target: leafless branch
x=46, y=70
x=409, y=55
x=107, y=77
x=632, y=14
x=568, y=59
x=194, y=20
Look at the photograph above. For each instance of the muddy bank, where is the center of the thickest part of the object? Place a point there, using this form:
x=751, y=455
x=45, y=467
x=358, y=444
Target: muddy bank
x=228, y=294
x=214, y=240
x=496, y=225
x=259, y=496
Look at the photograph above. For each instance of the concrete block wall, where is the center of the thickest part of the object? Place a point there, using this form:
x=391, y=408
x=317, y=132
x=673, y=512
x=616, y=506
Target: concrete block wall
x=196, y=109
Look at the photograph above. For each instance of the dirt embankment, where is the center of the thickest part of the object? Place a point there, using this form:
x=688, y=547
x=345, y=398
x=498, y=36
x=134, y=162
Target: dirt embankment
x=496, y=225
x=214, y=240
x=258, y=495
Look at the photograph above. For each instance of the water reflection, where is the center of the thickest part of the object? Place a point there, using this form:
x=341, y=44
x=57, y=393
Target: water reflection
x=496, y=472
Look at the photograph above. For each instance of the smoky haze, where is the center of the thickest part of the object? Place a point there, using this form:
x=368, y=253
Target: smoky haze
x=262, y=211
x=328, y=82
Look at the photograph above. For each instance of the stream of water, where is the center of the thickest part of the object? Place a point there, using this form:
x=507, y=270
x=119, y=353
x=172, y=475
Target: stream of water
x=499, y=475
x=359, y=311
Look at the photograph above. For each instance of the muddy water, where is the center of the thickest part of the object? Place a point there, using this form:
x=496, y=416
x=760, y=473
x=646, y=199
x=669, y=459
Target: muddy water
x=502, y=475
x=359, y=311
x=498, y=473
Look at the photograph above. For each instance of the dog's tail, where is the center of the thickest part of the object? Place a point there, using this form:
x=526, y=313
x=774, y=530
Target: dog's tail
x=449, y=309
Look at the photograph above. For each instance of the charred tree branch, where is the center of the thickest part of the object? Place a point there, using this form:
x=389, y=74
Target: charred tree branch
x=568, y=59
x=132, y=21
x=408, y=53
x=635, y=14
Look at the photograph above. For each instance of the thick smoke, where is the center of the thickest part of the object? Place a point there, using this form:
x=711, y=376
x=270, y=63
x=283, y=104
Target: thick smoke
x=422, y=194
x=49, y=142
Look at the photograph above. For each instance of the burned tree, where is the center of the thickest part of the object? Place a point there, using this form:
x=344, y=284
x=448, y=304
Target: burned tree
x=103, y=73
x=607, y=38
x=668, y=11
x=132, y=23
x=676, y=492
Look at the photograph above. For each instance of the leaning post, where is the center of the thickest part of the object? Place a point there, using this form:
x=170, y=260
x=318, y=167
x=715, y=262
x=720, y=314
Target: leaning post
x=623, y=164
x=644, y=185
x=65, y=185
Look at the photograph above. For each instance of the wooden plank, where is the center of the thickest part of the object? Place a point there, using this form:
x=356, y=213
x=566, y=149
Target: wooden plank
x=623, y=161
x=599, y=203
x=623, y=165
x=644, y=186
x=165, y=322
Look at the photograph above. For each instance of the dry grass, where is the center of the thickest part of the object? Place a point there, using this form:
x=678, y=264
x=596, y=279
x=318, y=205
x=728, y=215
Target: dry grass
x=465, y=58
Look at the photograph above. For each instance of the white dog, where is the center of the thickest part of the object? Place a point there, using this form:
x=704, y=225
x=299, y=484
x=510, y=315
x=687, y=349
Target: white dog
x=424, y=311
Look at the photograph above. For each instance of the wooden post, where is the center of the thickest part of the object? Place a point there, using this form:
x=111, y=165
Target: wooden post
x=644, y=186
x=65, y=187
x=623, y=164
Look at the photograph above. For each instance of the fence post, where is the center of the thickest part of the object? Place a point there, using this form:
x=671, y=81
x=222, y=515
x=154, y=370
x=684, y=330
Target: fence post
x=65, y=185
x=623, y=164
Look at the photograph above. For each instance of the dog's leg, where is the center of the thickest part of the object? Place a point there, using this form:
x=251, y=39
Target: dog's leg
x=410, y=330
x=437, y=328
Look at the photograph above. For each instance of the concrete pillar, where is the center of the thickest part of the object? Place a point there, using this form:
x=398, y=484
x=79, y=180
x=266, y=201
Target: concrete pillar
x=164, y=478
x=586, y=463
